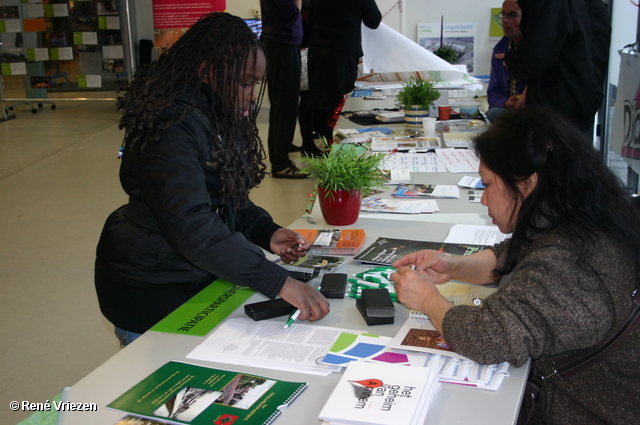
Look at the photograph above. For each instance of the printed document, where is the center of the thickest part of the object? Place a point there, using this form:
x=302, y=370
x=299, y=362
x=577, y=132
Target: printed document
x=300, y=348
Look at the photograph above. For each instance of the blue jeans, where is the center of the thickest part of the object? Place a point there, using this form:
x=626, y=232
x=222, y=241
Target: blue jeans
x=125, y=337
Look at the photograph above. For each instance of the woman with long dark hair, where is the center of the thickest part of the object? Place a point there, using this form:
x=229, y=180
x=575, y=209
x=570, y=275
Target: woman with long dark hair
x=191, y=154
x=565, y=277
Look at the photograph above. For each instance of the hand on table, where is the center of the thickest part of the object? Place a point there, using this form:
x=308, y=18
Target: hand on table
x=311, y=303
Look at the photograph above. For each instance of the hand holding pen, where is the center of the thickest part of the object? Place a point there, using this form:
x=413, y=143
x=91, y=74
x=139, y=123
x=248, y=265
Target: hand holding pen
x=289, y=245
x=437, y=265
x=292, y=318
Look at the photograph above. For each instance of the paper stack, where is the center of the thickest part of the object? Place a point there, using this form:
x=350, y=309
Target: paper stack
x=381, y=394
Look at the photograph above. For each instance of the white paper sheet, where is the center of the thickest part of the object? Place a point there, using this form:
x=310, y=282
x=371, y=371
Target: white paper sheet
x=475, y=235
x=388, y=51
x=459, y=160
x=300, y=348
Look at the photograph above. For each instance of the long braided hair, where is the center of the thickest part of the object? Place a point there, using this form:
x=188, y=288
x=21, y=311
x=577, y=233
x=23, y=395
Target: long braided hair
x=223, y=43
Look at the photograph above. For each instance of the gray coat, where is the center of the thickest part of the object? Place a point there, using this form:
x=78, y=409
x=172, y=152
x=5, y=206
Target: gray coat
x=554, y=302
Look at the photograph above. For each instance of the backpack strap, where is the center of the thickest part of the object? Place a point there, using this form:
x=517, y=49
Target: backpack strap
x=583, y=358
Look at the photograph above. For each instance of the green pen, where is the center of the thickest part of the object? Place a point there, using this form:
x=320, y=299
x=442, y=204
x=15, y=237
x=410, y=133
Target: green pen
x=355, y=287
x=374, y=279
x=367, y=283
x=380, y=269
x=358, y=291
x=292, y=318
x=358, y=296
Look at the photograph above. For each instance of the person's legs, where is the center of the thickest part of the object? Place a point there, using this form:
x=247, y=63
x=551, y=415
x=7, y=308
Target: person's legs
x=305, y=120
x=321, y=127
x=283, y=84
x=125, y=337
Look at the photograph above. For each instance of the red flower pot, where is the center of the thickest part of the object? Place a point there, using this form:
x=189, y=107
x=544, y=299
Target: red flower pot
x=340, y=207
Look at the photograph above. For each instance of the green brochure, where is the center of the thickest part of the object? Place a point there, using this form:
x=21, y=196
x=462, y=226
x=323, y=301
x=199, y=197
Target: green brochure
x=182, y=393
x=205, y=310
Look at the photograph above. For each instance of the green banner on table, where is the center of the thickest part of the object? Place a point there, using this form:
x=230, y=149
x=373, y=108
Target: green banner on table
x=205, y=310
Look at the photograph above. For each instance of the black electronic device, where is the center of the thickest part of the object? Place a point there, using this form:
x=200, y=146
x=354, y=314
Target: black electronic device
x=267, y=309
x=376, y=306
x=304, y=276
x=333, y=285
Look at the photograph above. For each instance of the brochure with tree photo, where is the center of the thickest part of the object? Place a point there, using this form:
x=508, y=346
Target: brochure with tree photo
x=183, y=393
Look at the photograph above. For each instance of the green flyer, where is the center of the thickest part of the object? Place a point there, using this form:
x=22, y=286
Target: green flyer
x=205, y=310
x=182, y=393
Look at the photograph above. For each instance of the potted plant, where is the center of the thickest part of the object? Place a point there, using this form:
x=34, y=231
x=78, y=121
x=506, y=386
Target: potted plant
x=447, y=53
x=344, y=175
x=416, y=97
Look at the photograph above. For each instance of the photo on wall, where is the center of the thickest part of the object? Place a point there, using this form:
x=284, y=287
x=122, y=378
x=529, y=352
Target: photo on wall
x=459, y=37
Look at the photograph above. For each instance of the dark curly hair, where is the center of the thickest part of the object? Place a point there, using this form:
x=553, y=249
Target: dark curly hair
x=576, y=192
x=224, y=43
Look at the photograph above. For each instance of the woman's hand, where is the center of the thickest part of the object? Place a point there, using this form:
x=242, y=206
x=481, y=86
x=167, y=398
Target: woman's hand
x=311, y=303
x=289, y=245
x=416, y=291
x=436, y=265
x=413, y=288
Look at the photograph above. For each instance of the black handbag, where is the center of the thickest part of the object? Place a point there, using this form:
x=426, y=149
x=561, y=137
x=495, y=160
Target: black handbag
x=576, y=362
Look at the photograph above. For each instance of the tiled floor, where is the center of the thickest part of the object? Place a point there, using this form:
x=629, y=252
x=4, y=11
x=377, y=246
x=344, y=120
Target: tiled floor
x=58, y=183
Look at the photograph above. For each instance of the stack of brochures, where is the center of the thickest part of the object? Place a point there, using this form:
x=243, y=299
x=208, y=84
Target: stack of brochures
x=396, y=206
x=310, y=263
x=267, y=344
x=179, y=393
x=408, y=190
x=382, y=144
x=390, y=117
x=385, y=251
x=381, y=394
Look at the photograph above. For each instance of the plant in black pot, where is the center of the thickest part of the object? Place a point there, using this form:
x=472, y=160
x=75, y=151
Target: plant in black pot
x=344, y=175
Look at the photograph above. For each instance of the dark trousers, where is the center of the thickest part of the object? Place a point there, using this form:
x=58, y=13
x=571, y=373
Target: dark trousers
x=305, y=120
x=283, y=84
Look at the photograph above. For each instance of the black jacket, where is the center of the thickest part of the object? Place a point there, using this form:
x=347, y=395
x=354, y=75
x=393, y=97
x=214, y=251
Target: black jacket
x=563, y=55
x=176, y=234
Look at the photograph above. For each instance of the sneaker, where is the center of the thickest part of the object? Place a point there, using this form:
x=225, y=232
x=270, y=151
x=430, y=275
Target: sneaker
x=291, y=172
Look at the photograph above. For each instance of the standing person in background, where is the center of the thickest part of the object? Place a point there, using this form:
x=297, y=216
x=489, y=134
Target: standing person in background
x=305, y=113
x=191, y=154
x=505, y=91
x=335, y=47
x=281, y=36
x=563, y=56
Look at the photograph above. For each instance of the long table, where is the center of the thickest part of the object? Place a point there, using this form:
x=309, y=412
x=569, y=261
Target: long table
x=451, y=210
x=454, y=404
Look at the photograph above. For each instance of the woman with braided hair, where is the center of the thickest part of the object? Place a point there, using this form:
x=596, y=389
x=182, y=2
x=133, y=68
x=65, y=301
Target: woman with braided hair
x=190, y=156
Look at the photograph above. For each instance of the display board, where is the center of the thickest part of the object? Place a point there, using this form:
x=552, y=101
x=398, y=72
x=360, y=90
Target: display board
x=77, y=44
